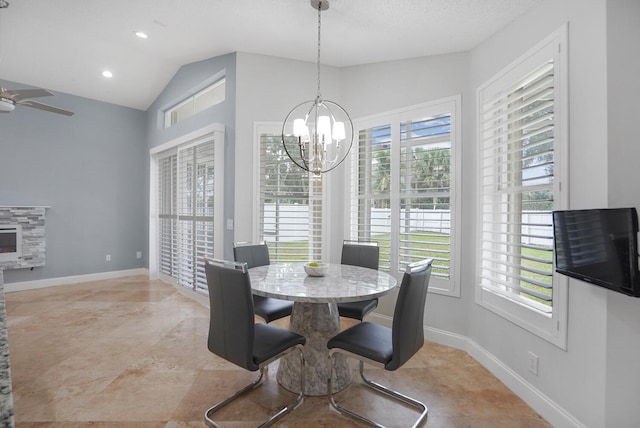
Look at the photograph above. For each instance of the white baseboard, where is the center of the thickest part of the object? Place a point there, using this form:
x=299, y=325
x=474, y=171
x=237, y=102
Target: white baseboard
x=76, y=279
x=543, y=405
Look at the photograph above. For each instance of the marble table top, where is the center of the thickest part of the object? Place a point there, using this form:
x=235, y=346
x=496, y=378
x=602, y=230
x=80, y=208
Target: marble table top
x=342, y=283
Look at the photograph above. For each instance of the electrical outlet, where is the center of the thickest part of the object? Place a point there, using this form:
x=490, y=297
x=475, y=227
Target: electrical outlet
x=108, y=257
x=533, y=363
x=138, y=254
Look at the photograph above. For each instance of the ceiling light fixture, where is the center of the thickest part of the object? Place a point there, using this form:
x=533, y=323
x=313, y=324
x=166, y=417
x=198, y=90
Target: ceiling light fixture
x=107, y=74
x=142, y=35
x=317, y=134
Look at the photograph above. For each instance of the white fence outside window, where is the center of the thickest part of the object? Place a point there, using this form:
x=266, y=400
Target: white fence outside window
x=431, y=220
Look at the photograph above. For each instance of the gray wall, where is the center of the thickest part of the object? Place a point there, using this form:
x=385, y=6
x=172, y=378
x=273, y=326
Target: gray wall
x=596, y=378
x=182, y=85
x=90, y=169
x=575, y=378
x=623, y=116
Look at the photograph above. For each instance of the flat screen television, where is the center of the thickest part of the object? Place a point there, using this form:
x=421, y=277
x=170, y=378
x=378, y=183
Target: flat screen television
x=599, y=246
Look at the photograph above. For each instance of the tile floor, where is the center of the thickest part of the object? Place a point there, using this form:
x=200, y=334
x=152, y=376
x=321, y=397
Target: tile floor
x=131, y=352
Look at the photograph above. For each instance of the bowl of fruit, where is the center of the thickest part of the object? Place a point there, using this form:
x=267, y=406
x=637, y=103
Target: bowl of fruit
x=315, y=268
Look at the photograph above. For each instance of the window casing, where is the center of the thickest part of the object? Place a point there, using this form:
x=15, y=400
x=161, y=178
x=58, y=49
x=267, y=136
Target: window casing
x=403, y=188
x=522, y=161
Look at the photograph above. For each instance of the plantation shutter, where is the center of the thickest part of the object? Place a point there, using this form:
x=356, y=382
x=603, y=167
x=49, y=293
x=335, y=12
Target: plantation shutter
x=290, y=205
x=425, y=192
x=186, y=211
x=167, y=180
x=403, y=189
x=517, y=189
x=370, y=209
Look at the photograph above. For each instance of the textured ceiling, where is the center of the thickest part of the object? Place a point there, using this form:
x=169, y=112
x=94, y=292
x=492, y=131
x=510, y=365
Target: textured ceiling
x=64, y=45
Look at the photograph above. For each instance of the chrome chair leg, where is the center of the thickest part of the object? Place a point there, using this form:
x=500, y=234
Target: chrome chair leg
x=229, y=399
x=395, y=394
x=378, y=387
x=288, y=408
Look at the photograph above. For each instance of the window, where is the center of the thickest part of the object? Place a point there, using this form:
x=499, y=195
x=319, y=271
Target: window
x=521, y=120
x=290, y=205
x=211, y=95
x=403, y=188
x=186, y=227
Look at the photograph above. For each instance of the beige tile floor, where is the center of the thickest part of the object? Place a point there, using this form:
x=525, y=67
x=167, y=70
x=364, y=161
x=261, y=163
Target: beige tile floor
x=132, y=353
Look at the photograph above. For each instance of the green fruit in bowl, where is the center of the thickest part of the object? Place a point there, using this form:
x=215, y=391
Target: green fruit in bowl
x=313, y=264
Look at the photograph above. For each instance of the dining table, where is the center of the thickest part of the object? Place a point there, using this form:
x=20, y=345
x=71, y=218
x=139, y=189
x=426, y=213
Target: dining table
x=315, y=315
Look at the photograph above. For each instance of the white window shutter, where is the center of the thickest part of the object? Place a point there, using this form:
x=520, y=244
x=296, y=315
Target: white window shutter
x=186, y=211
x=290, y=205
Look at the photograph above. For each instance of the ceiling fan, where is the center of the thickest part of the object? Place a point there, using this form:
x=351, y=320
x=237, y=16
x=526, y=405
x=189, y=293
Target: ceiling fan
x=10, y=98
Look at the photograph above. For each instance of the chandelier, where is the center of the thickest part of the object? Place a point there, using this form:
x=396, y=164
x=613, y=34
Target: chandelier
x=317, y=134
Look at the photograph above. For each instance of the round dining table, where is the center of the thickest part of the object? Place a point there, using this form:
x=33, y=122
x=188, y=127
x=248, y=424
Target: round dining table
x=315, y=315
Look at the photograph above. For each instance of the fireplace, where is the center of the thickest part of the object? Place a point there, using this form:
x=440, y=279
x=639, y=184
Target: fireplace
x=10, y=242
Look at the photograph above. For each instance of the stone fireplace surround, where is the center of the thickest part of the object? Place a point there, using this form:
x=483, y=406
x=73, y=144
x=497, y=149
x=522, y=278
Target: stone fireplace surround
x=32, y=222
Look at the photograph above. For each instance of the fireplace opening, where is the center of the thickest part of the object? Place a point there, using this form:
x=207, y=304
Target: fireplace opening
x=10, y=242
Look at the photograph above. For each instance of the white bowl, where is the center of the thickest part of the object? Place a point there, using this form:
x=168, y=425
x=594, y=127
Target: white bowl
x=319, y=270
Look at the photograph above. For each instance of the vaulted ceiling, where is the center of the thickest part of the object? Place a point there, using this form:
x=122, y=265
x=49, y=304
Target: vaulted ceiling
x=64, y=45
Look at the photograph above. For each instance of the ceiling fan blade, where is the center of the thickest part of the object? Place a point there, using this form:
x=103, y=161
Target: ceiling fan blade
x=40, y=106
x=23, y=94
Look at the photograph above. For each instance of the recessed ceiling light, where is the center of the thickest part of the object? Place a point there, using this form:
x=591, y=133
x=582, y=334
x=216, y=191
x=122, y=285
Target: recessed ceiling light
x=107, y=74
x=142, y=35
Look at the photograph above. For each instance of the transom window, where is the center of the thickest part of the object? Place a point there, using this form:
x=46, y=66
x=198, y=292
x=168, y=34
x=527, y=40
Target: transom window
x=209, y=96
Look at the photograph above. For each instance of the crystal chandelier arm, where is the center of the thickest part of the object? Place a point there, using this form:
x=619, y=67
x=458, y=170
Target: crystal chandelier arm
x=301, y=149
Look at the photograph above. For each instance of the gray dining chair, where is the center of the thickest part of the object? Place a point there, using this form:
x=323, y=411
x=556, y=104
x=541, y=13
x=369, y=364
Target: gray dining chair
x=384, y=347
x=364, y=254
x=235, y=336
x=258, y=255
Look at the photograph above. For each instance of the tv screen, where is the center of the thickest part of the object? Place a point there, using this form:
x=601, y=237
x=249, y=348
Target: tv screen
x=599, y=246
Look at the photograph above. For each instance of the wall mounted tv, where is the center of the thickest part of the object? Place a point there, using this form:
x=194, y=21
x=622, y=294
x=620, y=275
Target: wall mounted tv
x=599, y=246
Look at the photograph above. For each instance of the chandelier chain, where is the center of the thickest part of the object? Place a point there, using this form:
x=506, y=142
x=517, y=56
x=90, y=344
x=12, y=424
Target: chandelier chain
x=317, y=135
x=319, y=10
